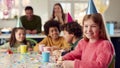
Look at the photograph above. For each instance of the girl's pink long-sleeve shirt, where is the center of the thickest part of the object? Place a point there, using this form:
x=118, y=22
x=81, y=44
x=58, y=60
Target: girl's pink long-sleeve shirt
x=91, y=55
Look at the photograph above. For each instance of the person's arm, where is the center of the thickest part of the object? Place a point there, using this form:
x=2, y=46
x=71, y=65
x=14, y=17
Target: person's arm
x=39, y=26
x=61, y=21
x=104, y=55
x=66, y=46
x=67, y=61
x=34, y=31
x=4, y=47
x=59, y=16
x=28, y=31
x=36, y=47
x=66, y=18
x=23, y=21
x=75, y=54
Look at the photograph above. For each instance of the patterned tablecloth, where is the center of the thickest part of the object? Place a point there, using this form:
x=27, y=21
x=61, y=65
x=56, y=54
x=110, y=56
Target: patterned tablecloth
x=24, y=61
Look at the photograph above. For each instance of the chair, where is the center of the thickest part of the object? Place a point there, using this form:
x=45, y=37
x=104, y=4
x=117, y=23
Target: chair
x=32, y=41
x=112, y=64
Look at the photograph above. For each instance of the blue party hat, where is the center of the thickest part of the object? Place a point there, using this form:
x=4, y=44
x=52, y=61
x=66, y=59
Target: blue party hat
x=91, y=8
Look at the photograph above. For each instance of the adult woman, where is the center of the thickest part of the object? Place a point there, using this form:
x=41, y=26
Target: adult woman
x=58, y=14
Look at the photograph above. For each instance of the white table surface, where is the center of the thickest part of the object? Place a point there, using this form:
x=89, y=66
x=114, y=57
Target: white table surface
x=116, y=34
x=23, y=61
x=19, y=61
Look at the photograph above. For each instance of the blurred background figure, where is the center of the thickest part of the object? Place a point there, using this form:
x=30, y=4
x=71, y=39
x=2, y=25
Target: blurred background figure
x=72, y=33
x=32, y=23
x=58, y=14
x=53, y=39
x=18, y=37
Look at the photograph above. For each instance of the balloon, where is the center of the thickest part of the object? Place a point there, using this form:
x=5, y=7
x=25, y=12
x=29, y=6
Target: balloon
x=101, y=5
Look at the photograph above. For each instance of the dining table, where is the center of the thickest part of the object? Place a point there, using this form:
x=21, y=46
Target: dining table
x=27, y=60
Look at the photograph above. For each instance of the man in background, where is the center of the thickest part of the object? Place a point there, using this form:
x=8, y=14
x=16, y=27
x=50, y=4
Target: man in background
x=32, y=23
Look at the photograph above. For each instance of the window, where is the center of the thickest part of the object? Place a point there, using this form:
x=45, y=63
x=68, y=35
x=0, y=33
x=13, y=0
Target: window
x=79, y=11
x=66, y=7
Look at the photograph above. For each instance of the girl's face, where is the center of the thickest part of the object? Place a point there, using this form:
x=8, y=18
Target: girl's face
x=68, y=37
x=20, y=35
x=53, y=32
x=57, y=9
x=90, y=29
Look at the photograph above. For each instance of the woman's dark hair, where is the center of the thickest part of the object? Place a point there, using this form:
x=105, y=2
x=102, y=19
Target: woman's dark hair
x=13, y=38
x=73, y=28
x=63, y=15
x=49, y=24
x=28, y=8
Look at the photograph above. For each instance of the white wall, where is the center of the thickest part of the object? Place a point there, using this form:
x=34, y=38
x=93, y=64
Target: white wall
x=113, y=12
x=41, y=8
x=7, y=23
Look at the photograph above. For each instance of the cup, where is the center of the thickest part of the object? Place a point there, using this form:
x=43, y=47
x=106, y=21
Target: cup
x=23, y=49
x=48, y=49
x=45, y=56
x=110, y=28
x=41, y=47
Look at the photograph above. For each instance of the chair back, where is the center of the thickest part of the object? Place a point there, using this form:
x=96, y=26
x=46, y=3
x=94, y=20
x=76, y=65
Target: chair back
x=32, y=41
x=112, y=64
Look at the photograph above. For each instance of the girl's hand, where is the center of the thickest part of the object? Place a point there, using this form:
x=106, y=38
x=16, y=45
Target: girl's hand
x=34, y=31
x=60, y=58
x=59, y=15
x=55, y=48
x=30, y=49
x=60, y=61
x=68, y=64
x=3, y=50
x=28, y=32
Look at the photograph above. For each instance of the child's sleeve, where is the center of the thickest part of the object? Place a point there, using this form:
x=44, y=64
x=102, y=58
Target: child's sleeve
x=75, y=54
x=36, y=47
x=5, y=46
x=104, y=56
x=66, y=46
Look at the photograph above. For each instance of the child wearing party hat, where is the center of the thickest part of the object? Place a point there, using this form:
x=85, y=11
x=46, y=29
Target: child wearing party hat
x=94, y=50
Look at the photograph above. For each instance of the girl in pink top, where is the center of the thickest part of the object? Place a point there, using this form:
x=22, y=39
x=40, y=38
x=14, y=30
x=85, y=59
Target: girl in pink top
x=94, y=50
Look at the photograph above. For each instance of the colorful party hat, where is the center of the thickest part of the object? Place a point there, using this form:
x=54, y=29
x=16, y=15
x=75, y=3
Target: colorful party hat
x=91, y=8
x=69, y=18
x=19, y=24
